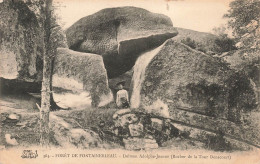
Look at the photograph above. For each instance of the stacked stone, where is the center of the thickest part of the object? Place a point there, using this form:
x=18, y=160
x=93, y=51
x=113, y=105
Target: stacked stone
x=141, y=130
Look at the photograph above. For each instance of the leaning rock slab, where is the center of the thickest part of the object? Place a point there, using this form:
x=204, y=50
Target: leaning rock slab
x=120, y=35
x=188, y=82
x=180, y=77
x=81, y=73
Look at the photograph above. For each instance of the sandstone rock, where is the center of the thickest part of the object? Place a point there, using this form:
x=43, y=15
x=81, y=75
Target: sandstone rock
x=10, y=140
x=158, y=108
x=126, y=119
x=144, y=126
x=69, y=137
x=205, y=136
x=136, y=130
x=181, y=77
x=11, y=119
x=14, y=116
x=21, y=46
x=81, y=72
x=19, y=43
x=157, y=124
x=119, y=35
x=197, y=88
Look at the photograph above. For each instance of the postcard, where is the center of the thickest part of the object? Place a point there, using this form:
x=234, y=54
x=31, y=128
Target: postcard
x=130, y=81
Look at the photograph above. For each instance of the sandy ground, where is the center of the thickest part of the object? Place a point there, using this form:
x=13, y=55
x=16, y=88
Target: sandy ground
x=26, y=131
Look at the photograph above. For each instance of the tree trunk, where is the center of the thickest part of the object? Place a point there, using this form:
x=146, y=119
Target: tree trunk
x=46, y=91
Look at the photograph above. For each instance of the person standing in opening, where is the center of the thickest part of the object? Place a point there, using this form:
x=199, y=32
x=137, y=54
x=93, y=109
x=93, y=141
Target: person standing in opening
x=122, y=100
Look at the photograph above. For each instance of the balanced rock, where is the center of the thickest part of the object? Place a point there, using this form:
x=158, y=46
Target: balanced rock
x=119, y=35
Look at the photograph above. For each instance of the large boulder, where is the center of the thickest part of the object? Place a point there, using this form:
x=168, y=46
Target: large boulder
x=19, y=43
x=21, y=64
x=186, y=78
x=81, y=74
x=21, y=46
x=119, y=35
x=175, y=81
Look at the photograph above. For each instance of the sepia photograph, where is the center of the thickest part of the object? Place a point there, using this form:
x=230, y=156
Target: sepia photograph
x=130, y=81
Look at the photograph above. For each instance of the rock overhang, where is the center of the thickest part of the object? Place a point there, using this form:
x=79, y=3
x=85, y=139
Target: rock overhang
x=120, y=35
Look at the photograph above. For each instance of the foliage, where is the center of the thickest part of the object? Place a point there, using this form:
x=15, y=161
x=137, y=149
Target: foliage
x=189, y=42
x=224, y=43
x=217, y=142
x=193, y=44
x=241, y=13
x=244, y=19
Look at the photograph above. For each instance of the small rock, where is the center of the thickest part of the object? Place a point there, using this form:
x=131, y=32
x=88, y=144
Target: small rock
x=157, y=123
x=126, y=119
x=9, y=140
x=13, y=116
x=136, y=130
x=122, y=132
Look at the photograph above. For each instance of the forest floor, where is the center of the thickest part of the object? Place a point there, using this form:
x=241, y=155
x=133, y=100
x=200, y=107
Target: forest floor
x=19, y=118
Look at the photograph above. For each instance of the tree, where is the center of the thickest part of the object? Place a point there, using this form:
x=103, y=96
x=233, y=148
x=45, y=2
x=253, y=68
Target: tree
x=244, y=20
x=47, y=72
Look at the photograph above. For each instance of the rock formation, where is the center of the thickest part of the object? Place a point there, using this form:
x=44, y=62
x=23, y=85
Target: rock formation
x=21, y=48
x=187, y=78
x=119, y=35
x=19, y=44
x=174, y=80
x=141, y=131
x=82, y=72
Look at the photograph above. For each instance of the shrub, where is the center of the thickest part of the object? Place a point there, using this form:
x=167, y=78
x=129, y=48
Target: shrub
x=189, y=42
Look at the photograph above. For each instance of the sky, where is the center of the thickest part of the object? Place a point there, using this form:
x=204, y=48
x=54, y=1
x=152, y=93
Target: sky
x=199, y=15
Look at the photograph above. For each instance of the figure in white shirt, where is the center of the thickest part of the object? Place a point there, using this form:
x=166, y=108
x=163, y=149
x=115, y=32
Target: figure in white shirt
x=122, y=100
